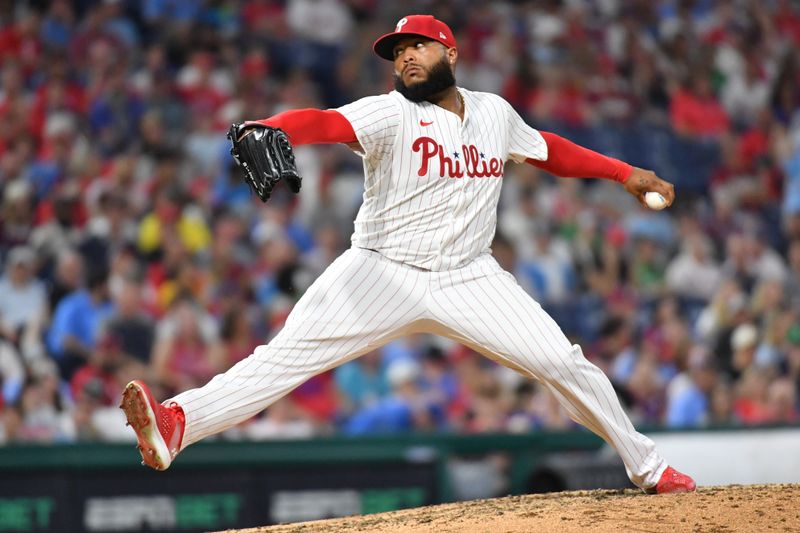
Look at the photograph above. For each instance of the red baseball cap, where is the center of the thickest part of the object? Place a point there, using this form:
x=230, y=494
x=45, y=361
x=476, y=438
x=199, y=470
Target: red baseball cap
x=424, y=25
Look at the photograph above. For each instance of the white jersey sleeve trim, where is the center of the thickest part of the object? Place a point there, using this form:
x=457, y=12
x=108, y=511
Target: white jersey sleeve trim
x=375, y=121
x=524, y=141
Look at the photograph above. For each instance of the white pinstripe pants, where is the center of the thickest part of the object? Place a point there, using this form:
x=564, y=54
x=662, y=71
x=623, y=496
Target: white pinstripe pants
x=364, y=300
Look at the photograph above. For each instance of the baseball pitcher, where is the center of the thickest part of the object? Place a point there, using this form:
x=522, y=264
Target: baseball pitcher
x=434, y=158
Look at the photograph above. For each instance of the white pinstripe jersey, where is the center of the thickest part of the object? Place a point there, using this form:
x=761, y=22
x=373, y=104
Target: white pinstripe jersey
x=432, y=182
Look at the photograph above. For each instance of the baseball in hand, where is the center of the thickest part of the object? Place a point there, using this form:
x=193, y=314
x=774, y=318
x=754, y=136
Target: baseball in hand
x=655, y=201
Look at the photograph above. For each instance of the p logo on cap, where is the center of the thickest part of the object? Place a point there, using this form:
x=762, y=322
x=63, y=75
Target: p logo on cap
x=411, y=25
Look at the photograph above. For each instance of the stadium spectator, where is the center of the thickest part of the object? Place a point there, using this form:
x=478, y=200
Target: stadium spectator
x=646, y=389
x=172, y=219
x=437, y=381
x=64, y=229
x=23, y=303
x=97, y=377
x=788, y=148
x=67, y=276
x=361, y=383
x=45, y=407
x=646, y=266
x=751, y=404
x=688, y=395
x=782, y=402
x=722, y=413
x=17, y=221
x=405, y=409
x=695, y=111
x=12, y=374
x=694, y=273
x=746, y=93
x=10, y=424
x=129, y=324
x=76, y=322
x=549, y=268
x=793, y=281
x=58, y=25
x=187, y=350
x=318, y=399
x=744, y=341
x=237, y=335
x=489, y=407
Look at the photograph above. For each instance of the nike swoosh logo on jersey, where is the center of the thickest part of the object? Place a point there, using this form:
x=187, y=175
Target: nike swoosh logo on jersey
x=423, y=123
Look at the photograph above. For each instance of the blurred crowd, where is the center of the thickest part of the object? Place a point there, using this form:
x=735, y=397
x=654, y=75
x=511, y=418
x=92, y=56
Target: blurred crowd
x=130, y=248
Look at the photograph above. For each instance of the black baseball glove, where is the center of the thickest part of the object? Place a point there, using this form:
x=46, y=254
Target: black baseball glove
x=266, y=157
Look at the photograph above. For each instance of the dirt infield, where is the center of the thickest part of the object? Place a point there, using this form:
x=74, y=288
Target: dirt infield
x=757, y=508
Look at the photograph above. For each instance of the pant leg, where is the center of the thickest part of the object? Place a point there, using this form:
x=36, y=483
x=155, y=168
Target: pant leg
x=358, y=304
x=482, y=306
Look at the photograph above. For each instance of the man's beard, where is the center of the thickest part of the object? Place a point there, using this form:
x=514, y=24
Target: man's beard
x=440, y=77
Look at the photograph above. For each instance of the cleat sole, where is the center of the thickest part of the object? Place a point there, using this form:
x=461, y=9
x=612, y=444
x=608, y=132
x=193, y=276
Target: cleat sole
x=142, y=419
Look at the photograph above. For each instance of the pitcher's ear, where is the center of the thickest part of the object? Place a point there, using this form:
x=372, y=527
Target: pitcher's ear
x=452, y=55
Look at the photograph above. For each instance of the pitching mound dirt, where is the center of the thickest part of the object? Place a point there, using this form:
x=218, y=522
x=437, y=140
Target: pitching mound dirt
x=758, y=508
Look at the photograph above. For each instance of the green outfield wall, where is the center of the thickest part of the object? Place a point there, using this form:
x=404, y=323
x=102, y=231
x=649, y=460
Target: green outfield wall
x=220, y=485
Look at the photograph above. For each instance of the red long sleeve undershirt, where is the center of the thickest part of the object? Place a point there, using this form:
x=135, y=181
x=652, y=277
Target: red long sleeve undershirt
x=564, y=158
x=568, y=160
x=312, y=126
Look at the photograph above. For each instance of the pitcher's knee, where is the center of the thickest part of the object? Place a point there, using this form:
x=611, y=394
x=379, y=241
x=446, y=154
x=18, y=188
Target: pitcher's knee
x=554, y=365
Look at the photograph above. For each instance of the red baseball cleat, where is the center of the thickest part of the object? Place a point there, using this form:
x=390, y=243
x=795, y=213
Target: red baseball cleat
x=159, y=428
x=673, y=482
